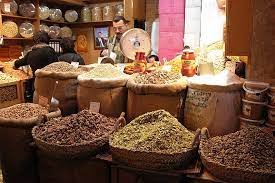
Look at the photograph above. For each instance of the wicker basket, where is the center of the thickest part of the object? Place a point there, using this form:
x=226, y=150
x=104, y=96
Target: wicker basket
x=156, y=161
x=230, y=174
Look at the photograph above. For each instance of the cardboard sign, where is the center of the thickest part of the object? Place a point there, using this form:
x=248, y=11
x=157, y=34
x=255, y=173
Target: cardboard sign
x=94, y=106
x=43, y=101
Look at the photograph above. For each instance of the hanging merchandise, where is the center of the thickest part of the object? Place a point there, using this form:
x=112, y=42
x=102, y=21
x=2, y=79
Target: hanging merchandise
x=86, y=15
x=9, y=8
x=27, y=9
x=26, y=30
x=9, y=29
x=96, y=14
x=108, y=13
x=44, y=12
x=71, y=16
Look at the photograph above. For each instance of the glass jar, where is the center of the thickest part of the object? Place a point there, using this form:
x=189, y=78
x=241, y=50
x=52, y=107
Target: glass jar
x=54, y=32
x=119, y=10
x=96, y=14
x=44, y=28
x=27, y=9
x=55, y=15
x=9, y=8
x=26, y=30
x=189, y=67
x=71, y=15
x=44, y=12
x=66, y=32
x=86, y=15
x=108, y=13
x=9, y=29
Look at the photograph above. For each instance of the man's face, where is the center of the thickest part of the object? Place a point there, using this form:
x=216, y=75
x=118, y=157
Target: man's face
x=119, y=28
x=100, y=34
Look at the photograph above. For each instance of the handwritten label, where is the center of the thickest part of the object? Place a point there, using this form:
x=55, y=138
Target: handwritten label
x=43, y=101
x=7, y=7
x=94, y=106
x=75, y=64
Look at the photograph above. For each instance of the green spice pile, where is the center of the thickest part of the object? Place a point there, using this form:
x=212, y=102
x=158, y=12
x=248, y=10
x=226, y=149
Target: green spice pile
x=61, y=67
x=5, y=78
x=78, y=128
x=156, y=131
x=104, y=71
x=23, y=111
x=250, y=149
x=157, y=77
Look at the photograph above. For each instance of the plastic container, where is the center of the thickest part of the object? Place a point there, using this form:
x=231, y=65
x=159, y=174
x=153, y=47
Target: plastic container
x=245, y=123
x=253, y=110
x=27, y=9
x=66, y=32
x=54, y=31
x=108, y=13
x=255, y=91
x=119, y=10
x=96, y=14
x=55, y=15
x=9, y=29
x=44, y=27
x=9, y=8
x=189, y=67
x=26, y=30
x=86, y=14
x=71, y=16
x=271, y=115
x=44, y=12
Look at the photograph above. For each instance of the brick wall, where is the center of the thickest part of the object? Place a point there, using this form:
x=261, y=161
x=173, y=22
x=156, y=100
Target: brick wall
x=151, y=13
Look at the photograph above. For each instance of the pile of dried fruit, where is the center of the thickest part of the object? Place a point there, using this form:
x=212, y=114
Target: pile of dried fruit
x=61, y=67
x=23, y=111
x=250, y=149
x=104, y=71
x=5, y=78
x=156, y=131
x=78, y=128
x=157, y=77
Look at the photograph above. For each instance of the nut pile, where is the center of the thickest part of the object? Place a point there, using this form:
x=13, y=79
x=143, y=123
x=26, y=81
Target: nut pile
x=157, y=77
x=78, y=128
x=60, y=67
x=156, y=131
x=250, y=149
x=104, y=71
x=5, y=78
x=23, y=111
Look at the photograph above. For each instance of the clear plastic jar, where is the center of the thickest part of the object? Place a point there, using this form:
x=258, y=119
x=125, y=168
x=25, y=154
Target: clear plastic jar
x=66, y=32
x=108, y=13
x=119, y=10
x=26, y=30
x=71, y=15
x=9, y=29
x=44, y=28
x=54, y=31
x=27, y=9
x=44, y=12
x=86, y=15
x=55, y=15
x=96, y=14
x=9, y=7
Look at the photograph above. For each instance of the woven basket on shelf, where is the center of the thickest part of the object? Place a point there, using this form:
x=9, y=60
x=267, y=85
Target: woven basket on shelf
x=230, y=174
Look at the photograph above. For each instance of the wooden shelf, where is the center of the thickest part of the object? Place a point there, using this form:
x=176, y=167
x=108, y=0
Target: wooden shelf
x=17, y=38
x=54, y=22
x=79, y=23
x=19, y=17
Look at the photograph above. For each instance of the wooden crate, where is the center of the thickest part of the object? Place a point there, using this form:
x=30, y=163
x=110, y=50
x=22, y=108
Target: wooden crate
x=11, y=93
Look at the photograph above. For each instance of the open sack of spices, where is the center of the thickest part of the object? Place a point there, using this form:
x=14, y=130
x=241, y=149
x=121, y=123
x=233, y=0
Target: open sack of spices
x=247, y=155
x=80, y=134
x=66, y=89
x=106, y=85
x=155, y=140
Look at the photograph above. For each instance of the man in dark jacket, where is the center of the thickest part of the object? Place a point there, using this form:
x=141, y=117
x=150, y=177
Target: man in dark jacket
x=40, y=55
x=69, y=54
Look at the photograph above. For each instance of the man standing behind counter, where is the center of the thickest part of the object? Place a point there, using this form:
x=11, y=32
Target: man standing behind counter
x=119, y=26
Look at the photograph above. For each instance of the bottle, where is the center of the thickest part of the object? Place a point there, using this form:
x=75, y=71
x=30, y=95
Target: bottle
x=189, y=67
x=140, y=62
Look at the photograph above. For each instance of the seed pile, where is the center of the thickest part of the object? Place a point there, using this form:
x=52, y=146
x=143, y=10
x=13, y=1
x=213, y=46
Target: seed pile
x=61, y=67
x=23, y=111
x=104, y=71
x=157, y=77
x=156, y=131
x=5, y=78
x=250, y=149
x=78, y=128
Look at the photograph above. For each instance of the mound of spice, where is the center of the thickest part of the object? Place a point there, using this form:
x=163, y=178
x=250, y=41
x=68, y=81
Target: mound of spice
x=78, y=128
x=250, y=149
x=157, y=77
x=61, y=67
x=23, y=111
x=104, y=71
x=156, y=131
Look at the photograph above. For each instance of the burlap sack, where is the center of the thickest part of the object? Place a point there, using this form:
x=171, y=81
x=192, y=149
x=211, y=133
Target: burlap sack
x=65, y=93
x=144, y=98
x=110, y=93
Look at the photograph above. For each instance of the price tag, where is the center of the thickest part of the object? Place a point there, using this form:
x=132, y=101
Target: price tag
x=43, y=101
x=94, y=106
x=75, y=64
x=7, y=7
x=1, y=38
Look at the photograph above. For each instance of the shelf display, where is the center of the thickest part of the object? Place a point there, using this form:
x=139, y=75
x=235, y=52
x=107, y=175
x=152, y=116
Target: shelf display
x=26, y=30
x=96, y=14
x=27, y=9
x=55, y=14
x=9, y=8
x=54, y=31
x=119, y=10
x=44, y=27
x=71, y=16
x=108, y=13
x=66, y=32
x=86, y=15
x=9, y=29
x=44, y=12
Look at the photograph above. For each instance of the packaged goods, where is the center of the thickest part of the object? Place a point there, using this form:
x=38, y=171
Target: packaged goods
x=9, y=29
x=26, y=30
x=44, y=12
x=96, y=14
x=54, y=31
x=86, y=14
x=157, y=77
x=108, y=13
x=71, y=15
x=55, y=15
x=244, y=156
x=66, y=32
x=27, y=9
x=10, y=7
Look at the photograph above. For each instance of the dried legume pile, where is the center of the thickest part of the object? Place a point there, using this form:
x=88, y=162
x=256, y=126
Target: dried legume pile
x=5, y=78
x=61, y=67
x=104, y=71
x=23, y=111
x=157, y=77
x=156, y=131
x=78, y=128
x=250, y=149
